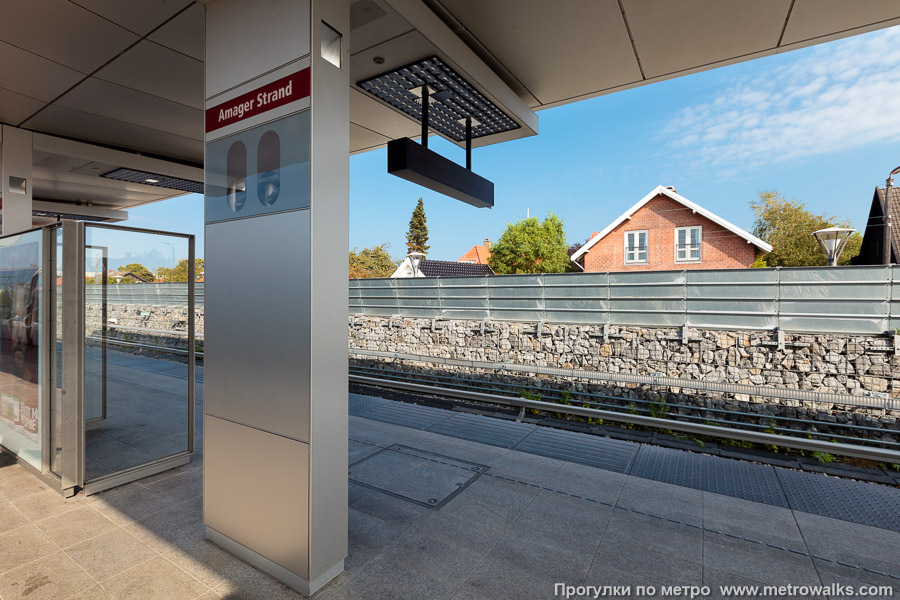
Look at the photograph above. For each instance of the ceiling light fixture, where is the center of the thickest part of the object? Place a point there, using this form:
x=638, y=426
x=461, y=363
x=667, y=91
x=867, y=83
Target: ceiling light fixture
x=156, y=180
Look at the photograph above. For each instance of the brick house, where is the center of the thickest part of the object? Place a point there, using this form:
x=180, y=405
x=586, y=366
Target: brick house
x=666, y=231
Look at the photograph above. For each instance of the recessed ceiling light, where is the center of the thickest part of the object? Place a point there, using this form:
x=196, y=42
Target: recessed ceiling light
x=151, y=180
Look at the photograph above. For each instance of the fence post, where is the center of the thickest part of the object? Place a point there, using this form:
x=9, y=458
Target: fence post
x=489, y=287
x=890, y=318
x=890, y=298
x=778, y=298
x=396, y=297
x=543, y=299
x=608, y=301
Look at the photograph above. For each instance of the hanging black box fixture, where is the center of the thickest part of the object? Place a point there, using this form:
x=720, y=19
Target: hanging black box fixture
x=418, y=164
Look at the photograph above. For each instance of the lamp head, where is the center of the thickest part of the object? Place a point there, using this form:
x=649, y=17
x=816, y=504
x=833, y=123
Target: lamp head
x=832, y=241
x=416, y=258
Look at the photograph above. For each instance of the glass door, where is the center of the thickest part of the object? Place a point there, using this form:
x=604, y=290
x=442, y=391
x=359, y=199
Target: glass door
x=138, y=353
x=21, y=346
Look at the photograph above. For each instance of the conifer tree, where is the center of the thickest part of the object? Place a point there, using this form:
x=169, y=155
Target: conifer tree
x=417, y=236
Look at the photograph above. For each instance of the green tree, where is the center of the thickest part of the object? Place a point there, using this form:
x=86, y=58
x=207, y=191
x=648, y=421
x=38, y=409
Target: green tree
x=531, y=246
x=139, y=270
x=180, y=272
x=417, y=236
x=372, y=262
x=788, y=226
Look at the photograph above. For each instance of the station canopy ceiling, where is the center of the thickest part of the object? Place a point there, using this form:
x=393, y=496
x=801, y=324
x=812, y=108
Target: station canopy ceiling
x=129, y=75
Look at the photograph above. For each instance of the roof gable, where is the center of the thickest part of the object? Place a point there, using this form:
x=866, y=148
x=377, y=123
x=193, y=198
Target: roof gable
x=477, y=254
x=664, y=191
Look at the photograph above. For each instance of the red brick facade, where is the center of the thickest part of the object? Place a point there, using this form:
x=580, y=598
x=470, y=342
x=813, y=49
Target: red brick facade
x=720, y=248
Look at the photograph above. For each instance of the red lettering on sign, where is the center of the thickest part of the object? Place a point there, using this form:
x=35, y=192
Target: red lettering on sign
x=270, y=96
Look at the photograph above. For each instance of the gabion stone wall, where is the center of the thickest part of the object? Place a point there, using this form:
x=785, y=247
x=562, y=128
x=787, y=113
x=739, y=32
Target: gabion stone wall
x=861, y=366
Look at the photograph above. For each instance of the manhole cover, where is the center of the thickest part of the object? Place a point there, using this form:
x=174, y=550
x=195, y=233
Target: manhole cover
x=423, y=477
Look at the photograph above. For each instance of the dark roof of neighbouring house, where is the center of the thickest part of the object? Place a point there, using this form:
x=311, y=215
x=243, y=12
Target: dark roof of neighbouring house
x=895, y=215
x=134, y=275
x=446, y=268
x=870, y=252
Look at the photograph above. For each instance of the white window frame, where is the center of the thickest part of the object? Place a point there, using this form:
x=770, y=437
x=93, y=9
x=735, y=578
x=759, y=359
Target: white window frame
x=687, y=236
x=635, y=260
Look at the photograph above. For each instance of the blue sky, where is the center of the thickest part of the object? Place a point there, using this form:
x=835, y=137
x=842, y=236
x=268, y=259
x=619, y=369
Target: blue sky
x=820, y=124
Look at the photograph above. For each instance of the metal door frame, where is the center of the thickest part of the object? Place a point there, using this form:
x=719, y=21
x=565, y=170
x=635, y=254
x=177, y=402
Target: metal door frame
x=72, y=402
x=76, y=344
x=104, y=326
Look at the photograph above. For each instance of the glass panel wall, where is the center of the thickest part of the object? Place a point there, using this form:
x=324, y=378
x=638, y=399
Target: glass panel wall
x=55, y=322
x=136, y=348
x=21, y=356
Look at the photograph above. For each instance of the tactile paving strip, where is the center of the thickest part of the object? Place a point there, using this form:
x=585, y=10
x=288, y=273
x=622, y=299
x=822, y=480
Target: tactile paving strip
x=582, y=448
x=724, y=476
x=486, y=430
x=864, y=503
x=414, y=416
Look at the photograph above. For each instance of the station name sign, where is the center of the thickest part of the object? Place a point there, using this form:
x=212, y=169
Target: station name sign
x=255, y=102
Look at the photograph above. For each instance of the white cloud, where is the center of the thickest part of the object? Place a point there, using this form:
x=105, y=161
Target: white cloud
x=838, y=96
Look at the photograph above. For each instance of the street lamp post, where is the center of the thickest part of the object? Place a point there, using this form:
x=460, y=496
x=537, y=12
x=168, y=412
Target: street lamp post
x=832, y=242
x=415, y=258
x=886, y=257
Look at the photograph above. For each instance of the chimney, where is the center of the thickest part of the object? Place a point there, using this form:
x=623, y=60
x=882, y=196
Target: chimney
x=488, y=243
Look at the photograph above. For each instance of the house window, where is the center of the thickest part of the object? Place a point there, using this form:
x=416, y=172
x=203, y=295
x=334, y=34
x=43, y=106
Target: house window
x=636, y=247
x=687, y=244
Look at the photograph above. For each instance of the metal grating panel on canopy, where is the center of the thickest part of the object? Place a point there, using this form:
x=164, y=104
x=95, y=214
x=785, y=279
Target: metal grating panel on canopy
x=452, y=99
x=156, y=180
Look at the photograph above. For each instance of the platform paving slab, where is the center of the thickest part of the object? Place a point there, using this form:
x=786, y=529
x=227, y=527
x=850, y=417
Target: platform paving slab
x=526, y=523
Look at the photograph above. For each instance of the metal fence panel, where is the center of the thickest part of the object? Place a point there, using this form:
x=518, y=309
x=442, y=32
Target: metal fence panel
x=581, y=299
x=652, y=299
x=420, y=297
x=850, y=300
x=516, y=298
x=378, y=297
x=855, y=300
x=741, y=321
x=157, y=294
x=829, y=324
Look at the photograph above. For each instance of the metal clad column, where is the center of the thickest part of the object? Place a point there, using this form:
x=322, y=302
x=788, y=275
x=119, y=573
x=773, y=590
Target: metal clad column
x=15, y=173
x=277, y=166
